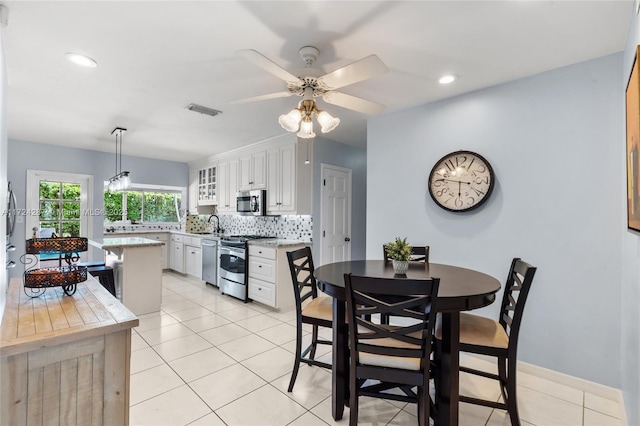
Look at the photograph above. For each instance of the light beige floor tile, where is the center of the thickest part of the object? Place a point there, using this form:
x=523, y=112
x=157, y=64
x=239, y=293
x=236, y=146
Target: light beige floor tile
x=474, y=415
x=206, y=322
x=306, y=340
x=479, y=387
x=284, y=316
x=222, y=304
x=307, y=419
x=155, y=320
x=265, y=406
x=238, y=313
x=178, y=306
x=602, y=405
x=200, y=364
x=143, y=359
x=174, y=298
x=208, y=420
x=500, y=418
x=224, y=334
x=246, y=347
x=271, y=364
x=226, y=385
x=192, y=313
x=202, y=297
x=184, y=346
x=595, y=418
x=371, y=411
x=258, y=323
x=165, y=334
x=542, y=409
x=406, y=418
x=280, y=334
x=263, y=309
x=313, y=385
x=558, y=390
x=154, y=381
x=137, y=342
x=179, y=406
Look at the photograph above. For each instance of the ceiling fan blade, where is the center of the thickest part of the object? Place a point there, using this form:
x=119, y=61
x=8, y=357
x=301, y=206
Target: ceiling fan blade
x=262, y=98
x=353, y=102
x=269, y=66
x=363, y=69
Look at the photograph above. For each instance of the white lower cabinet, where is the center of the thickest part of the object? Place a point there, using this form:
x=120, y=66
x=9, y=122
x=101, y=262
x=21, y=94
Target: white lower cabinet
x=269, y=276
x=193, y=261
x=177, y=255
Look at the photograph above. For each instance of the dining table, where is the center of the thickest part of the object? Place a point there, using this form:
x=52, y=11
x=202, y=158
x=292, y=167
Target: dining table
x=461, y=289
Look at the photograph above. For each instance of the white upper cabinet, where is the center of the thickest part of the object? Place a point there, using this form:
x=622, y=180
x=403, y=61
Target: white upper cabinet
x=253, y=173
x=228, y=185
x=207, y=185
x=193, y=191
x=281, y=182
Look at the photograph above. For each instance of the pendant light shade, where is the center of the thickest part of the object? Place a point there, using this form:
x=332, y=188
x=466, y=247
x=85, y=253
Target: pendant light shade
x=121, y=180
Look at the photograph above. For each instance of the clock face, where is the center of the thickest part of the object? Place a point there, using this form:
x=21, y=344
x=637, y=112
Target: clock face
x=461, y=181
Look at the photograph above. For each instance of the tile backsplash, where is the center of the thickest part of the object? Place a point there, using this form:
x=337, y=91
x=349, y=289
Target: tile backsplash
x=289, y=227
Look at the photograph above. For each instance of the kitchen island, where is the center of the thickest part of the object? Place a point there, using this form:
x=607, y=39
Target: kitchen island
x=138, y=271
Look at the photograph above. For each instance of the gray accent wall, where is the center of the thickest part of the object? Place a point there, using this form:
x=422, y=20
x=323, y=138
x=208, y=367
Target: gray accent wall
x=556, y=143
x=341, y=155
x=25, y=156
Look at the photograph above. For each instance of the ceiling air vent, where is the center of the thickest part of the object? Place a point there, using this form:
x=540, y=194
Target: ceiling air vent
x=203, y=110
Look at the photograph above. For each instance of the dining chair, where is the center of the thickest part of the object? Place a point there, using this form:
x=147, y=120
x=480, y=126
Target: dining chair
x=386, y=358
x=310, y=309
x=420, y=253
x=499, y=339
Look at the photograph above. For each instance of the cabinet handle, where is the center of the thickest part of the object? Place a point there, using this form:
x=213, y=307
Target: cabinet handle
x=259, y=266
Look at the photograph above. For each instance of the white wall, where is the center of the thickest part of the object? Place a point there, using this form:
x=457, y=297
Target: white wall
x=555, y=143
x=3, y=171
x=630, y=298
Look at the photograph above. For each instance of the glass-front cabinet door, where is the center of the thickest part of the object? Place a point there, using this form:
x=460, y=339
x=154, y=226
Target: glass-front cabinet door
x=207, y=185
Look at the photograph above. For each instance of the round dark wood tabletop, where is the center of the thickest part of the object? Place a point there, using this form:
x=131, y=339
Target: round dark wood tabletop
x=461, y=289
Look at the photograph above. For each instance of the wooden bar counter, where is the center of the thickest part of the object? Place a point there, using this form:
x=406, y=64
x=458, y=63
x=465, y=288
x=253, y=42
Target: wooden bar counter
x=64, y=360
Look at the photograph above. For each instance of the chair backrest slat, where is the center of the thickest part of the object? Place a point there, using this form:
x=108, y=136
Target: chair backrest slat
x=405, y=298
x=515, y=295
x=304, y=282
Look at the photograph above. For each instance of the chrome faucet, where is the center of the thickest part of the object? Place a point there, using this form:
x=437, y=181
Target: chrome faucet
x=217, y=230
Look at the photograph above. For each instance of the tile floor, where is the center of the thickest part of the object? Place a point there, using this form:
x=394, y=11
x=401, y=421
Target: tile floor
x=208, y=359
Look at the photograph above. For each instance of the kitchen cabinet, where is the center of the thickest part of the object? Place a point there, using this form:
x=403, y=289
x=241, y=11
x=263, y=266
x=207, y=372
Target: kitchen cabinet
x=193, y=256
x=193, y=192
x=269, y=276
x=160, y=236
x=253, y=174
x=228, y=175
x=177, y=253
x=207, y=185
x=281, y=179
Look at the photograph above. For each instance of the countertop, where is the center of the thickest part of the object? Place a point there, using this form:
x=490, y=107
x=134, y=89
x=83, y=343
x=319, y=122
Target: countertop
x=277, y=243
x=122, y=242
x=271, y=242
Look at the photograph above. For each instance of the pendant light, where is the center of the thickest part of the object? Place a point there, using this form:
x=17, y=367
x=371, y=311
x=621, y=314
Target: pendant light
x=121, y=180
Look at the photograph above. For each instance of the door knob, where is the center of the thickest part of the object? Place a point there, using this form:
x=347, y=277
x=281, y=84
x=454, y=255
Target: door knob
x=347, y=239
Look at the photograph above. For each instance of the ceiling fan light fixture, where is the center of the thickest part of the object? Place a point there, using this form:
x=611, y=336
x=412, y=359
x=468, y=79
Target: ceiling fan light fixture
x=291, y=121
x=327, y=121
x=306, y=129
x=81, y=60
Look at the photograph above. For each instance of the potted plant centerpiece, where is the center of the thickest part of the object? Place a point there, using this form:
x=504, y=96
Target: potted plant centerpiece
x=399, y=251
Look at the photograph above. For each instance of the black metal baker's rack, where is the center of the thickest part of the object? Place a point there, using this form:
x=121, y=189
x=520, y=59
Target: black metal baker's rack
x=37, y=280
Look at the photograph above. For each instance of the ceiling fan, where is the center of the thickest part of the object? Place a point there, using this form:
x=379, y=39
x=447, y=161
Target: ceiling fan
x=313, y=84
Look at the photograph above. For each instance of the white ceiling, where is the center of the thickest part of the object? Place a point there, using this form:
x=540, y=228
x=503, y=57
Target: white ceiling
x=155, y=57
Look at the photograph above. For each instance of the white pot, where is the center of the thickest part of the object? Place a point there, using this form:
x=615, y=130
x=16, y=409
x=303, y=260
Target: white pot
x=400, y=267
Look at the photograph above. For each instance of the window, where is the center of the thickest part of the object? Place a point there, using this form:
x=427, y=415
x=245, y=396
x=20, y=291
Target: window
x=144, y=204
x=59, y=208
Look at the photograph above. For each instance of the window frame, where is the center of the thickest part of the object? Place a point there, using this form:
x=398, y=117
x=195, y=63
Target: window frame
x=141, y=187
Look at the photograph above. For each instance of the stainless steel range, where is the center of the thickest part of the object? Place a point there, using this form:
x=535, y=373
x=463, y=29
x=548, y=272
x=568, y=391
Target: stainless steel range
x=233, y=264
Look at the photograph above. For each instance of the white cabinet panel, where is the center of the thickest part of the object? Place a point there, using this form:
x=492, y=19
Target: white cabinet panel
x=253, y=171
x=193, y=261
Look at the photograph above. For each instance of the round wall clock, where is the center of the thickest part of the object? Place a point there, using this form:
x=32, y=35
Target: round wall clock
x=461, y=181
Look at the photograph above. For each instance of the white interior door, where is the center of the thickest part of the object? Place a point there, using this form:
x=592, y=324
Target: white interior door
x=335, y=220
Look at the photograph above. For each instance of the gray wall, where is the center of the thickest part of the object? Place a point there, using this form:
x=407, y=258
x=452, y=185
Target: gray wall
x=555, y=141
x=25, y=156
x=630, y=297
x=341, y=155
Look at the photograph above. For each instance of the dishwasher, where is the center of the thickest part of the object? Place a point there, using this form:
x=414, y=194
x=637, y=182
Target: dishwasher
x=210, y=262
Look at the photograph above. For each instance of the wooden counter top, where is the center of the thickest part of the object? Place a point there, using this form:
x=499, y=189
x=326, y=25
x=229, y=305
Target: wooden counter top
x=55, y=318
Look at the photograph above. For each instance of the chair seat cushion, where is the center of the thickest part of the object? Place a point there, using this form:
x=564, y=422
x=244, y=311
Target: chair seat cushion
x=321, y=307
x=404, y=363
x=479, y=331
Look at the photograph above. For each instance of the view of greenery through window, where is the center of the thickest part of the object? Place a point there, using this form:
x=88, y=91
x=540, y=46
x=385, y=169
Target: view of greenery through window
x=60, y=208
x=145, y=206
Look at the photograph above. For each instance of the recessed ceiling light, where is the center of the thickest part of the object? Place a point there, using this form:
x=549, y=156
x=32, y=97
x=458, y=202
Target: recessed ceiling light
x=446, y=79
x=82, y=60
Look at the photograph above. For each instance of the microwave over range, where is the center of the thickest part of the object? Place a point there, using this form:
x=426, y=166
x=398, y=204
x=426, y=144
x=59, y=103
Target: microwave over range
x=252, y=202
